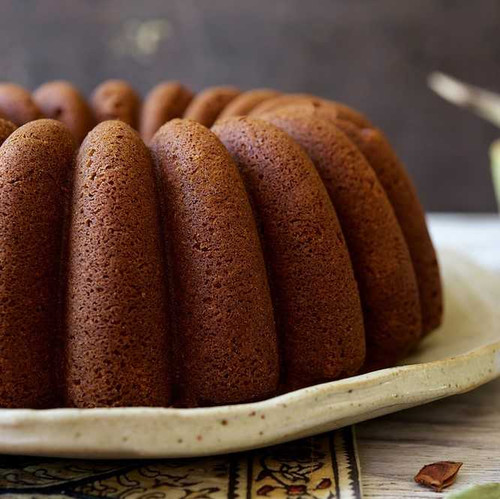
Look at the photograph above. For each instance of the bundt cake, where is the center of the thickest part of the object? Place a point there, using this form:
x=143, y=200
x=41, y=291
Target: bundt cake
x=242, y=104
x=209, y=104
x=312, y=282
x=334, y=109
x=223, y=311
x=187, y=266
x=17, y=104
x=6, y=128
x=378, y=251
x=116, y=100
x=115, y=321
x=35, y=167
x=60, y=100
x=408, y=210
x=164, y=102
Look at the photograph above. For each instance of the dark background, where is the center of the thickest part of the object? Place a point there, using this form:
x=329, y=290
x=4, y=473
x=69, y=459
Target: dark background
x=372, y=54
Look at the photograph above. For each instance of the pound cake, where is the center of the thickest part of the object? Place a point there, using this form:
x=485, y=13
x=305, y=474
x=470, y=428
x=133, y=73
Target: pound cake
x=403, y=198
x=62, y=101
x=166, y=101
x=379, y=254
x=244, y=103
x=223, y=314
x=208, y=104
x=335, y=109
x=401, y=194
x=115, y=308
x=116, y=100
x=6, y=128
x=190, y=266
x=312, y=282
x=17, y=104
x=35, y=165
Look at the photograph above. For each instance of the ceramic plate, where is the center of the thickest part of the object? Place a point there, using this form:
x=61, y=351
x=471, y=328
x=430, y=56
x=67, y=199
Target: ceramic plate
x=463, y=354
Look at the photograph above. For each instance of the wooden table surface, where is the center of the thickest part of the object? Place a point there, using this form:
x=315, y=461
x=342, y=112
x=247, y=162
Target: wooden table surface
x=462, y=428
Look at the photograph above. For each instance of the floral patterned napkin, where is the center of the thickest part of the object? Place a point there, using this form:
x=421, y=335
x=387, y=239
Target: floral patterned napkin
x=323, y=466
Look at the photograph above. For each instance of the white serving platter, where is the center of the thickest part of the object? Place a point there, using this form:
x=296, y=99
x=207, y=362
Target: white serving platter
x=463, y=354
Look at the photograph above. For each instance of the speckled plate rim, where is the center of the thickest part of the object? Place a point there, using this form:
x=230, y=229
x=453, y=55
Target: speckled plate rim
x=167, y=432
x=463, y=354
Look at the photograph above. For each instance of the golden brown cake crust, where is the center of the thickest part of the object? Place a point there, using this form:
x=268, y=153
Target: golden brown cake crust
x=35, y=164
x=245, y=102
x=116, y=323
x=60, y=100
x=410, y=214
x=6, y=128
x=334, y=109
x=116, y=100
x=17, y=105
x=166, y=101
x=226, y=345
x=313, y=287
x=206, y=106
x=379, y=254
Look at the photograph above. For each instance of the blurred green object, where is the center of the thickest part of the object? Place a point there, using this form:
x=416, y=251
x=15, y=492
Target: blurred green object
x=495, y=172
x=486, y=491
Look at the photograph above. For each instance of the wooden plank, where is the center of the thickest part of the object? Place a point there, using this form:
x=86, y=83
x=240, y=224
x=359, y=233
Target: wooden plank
x=462, y=428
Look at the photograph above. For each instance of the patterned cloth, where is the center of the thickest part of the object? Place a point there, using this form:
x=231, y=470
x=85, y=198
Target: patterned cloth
x=323, y=466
